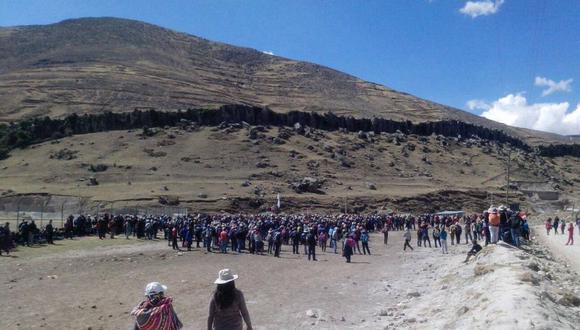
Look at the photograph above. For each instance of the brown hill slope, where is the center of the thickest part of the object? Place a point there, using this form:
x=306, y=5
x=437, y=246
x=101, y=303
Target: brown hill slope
x=253, y=164
x=108, y=64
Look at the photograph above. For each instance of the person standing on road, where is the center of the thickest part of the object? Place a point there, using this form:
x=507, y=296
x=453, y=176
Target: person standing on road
x=156, y=312
x=227, y=307
x=347, y=250
x=548, y=226
x=49, y=232
x=556, y=223
x=223, y=240
x=424, y=229
x=311, y=241
x=68, y=227
x=562, y=226
x=174, y=244
x=385, y=233
x=364, y=238
x=570, y=234
x=458, y=231
x=436, y=234
x=494, y=222
x=443, y=240
x=277, y=243
x=407, y=236
x=295, y=238
x=5, y=239
x=515, y=229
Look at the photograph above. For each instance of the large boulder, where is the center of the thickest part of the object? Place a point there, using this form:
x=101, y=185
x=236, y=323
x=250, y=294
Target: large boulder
x=308, y=185
x=169, y=200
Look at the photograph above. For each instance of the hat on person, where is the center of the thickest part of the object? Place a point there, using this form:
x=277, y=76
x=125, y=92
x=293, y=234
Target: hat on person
x=225, y=276
x=154, y=288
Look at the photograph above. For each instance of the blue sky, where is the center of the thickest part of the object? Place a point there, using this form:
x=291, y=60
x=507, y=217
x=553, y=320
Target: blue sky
x=511, y=60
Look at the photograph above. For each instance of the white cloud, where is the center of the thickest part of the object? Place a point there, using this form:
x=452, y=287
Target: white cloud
x=553, y=87
x=481, y=8
x=514, y=110
x=477, y=104
x=267, y=52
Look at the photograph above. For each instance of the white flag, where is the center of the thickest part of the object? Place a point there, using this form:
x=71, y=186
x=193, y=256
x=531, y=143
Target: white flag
x=278, y=200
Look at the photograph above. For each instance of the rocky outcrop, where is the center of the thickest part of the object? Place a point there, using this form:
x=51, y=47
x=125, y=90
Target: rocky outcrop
x=36, y=130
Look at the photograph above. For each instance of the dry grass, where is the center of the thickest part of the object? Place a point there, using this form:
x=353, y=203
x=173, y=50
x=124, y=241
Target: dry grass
x=215, y=164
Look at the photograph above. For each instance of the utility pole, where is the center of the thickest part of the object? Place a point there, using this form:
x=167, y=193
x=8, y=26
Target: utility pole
x=507, y=190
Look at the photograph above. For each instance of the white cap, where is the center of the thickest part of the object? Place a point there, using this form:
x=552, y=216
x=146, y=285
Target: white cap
x=154, y=288
x=225, y=276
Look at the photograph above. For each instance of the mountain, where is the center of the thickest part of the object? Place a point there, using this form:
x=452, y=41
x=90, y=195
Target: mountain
x=92, y=65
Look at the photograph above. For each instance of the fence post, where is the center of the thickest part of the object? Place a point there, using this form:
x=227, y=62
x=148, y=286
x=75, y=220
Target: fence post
x=62, y=215
x=41, y=213
x=18, y=212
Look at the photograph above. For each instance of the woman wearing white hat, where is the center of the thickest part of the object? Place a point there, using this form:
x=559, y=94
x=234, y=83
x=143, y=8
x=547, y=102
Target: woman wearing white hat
x=227, y=306
x=157, y=311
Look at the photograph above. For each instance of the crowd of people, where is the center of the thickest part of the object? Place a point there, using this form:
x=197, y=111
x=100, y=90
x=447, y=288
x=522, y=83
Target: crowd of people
x=268, y=233
x=560, y=224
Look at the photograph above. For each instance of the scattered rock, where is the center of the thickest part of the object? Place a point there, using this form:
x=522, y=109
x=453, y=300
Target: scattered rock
x=153, y=153
x=482, y=270
x=569, y=299
x=98, y=168
x=262, y=164
x=311, y=313
x=169, y=200
x=307, y=184
x=413, y=294
x=164, y=143
x=64, y=154
x=93, y=181
x=284, y=133
x=462, y=311
x=278, y=141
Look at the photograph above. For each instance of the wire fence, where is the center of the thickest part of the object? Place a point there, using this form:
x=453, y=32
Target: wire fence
x=42, y=218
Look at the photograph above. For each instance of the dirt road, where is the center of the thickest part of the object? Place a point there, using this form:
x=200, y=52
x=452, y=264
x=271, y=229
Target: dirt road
x=97, y=288
x=557, y=244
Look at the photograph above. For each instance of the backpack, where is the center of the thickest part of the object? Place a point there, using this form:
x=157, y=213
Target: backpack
x=310, y=239
x=514, y=222
x=364, y=238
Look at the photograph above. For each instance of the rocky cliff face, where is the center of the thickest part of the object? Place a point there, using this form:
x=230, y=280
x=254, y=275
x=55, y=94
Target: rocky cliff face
x=38, y=130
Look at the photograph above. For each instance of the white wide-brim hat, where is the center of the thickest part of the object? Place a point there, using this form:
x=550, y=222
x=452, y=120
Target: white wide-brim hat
x=225, y=276
x=155, y=288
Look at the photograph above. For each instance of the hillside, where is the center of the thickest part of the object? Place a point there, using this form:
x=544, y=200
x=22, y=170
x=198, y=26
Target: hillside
x=92, y=65
x=232, y=167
